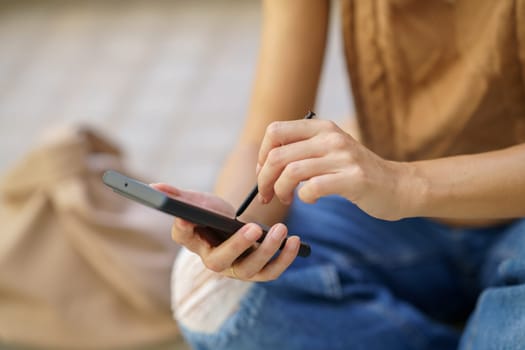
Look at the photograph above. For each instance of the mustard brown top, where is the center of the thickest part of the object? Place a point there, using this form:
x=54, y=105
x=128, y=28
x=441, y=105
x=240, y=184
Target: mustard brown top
x=436, y=78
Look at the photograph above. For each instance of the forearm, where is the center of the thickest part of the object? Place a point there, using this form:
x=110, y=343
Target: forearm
x=288, y=71
x=483, y=186
x=290, y=59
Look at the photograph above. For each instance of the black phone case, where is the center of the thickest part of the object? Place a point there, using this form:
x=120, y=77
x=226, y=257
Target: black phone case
x=216, y=228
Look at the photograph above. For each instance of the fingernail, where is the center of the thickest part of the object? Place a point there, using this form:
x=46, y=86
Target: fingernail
x=257, y=169
x=277, y=233
x=251, y=233
x=261, y=199
x=294, y=243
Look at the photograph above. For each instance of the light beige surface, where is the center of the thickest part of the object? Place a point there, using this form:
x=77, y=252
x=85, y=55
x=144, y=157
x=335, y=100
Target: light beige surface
x=170, y=80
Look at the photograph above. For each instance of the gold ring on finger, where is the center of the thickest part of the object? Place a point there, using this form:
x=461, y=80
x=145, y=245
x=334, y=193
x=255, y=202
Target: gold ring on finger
x=232, y=272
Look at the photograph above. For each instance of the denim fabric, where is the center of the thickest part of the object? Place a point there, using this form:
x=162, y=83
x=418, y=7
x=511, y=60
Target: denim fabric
x=373, y=284
x=499, y=319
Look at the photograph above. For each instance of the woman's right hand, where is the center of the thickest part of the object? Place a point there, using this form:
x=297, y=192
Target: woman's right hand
x=240, y=256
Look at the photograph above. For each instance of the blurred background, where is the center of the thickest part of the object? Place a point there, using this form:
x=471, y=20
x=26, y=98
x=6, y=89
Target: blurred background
x=169, y=80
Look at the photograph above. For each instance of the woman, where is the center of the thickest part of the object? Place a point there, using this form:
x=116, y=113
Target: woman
x=440, y=94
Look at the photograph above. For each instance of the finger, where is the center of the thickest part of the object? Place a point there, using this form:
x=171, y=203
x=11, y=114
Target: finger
x=322, y=185
x=184, y=225
x=296, y=172
x=279, y=158
x=251, y=265
x=182, y=231
x=205, y=200
x=168, y=189
x=187, y=237
x=276, y=267
x=184, y=195
x=285, y=132
x=223, y=256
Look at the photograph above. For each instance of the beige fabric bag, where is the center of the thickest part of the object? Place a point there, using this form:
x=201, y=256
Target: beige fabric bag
x=80, y=267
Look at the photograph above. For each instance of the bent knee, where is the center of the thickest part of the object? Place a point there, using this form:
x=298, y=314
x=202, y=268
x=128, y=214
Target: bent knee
x=202, y=300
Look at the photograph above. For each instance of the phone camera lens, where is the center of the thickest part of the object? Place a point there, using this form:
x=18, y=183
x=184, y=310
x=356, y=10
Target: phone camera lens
x=126, y=184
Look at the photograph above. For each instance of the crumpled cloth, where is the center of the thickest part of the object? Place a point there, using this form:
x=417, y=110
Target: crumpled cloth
x=80, y=266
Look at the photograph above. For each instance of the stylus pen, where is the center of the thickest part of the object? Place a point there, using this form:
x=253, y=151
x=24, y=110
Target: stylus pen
x=255, y=190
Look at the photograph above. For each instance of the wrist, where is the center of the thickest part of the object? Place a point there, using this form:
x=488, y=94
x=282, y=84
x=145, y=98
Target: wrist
x=413, y=190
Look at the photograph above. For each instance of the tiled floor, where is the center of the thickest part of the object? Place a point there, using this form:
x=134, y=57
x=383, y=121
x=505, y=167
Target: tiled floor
x=169, y=80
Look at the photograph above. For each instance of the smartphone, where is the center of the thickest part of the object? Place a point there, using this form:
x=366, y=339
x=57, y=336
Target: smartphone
x=213, y=227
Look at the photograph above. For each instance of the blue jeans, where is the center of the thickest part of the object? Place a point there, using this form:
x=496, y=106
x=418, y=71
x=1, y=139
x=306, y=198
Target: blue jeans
x=373, y=284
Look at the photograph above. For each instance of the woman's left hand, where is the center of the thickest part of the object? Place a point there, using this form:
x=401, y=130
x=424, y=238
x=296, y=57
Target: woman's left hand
x=329, y=161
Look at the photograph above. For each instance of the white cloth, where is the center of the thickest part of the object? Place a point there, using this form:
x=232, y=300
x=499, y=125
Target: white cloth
x=202, y=300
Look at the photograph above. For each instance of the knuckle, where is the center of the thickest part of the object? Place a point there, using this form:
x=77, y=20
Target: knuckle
x=346, y=157
x=279, y=190
x=329, y=125
x=284, y=189
x=269, y=250
x=213, y=264
x=315, y=187
x=336, y=140
x=272, y=131
x=282, y=192
x=240, y=244
x=275, y=157
x=293, y=170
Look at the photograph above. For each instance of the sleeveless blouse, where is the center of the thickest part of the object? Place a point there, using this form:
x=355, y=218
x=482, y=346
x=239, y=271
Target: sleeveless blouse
x=435, y=78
